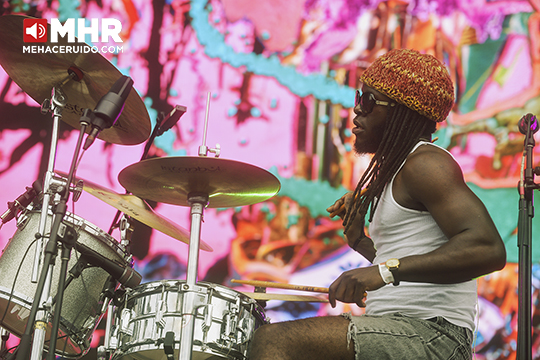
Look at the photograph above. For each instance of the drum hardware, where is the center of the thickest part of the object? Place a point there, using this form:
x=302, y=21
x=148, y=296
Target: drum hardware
x=224, y=321
x=126, y=230
x=78, y=318
x=168, y=345
x=203, y=149
x=199, y=182
x=20, y=203
x=67, y=242
x=87, y=79
x=197, y=201
x=59, y=184
x=57, y=102
x=3, y=346
x=135, y=207
x=108, y=112
x=92, y=74
x=164, y=122
x=116, y=295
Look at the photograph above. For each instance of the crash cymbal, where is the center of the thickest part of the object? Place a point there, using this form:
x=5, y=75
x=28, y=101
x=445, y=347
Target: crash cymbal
x=37, y=73
x=228, y=183
x=138, y=209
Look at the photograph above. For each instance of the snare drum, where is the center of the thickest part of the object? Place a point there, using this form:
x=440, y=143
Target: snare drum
x=224, y=323
x=83, y=301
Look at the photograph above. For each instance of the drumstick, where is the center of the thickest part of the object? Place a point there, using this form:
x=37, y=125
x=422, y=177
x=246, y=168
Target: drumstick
x=270, y=284
x=342, y=207
x=285, y=297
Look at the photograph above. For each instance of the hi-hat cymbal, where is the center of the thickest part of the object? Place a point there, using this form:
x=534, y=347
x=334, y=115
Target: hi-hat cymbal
x=227, y=183
x=138, y=209
x=37, y=74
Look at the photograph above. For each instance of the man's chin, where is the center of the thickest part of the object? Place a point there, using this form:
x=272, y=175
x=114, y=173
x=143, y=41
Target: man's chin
x=364, y=150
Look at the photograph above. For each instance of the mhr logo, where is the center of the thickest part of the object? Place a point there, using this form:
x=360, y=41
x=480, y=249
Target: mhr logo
x=36, y=30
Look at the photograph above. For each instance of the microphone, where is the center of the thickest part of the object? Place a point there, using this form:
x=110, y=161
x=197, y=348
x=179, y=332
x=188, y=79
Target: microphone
x=109, y=108
x=527, y=122
x=124, y=275
x=21, y=202
x=171, y=118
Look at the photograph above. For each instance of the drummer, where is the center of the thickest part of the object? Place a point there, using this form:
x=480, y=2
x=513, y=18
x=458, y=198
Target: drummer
x=429, y=238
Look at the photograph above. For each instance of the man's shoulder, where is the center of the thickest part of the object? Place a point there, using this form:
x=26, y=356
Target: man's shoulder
x=430, y=162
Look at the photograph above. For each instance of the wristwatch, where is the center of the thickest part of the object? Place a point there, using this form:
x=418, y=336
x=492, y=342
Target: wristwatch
x=393, y=266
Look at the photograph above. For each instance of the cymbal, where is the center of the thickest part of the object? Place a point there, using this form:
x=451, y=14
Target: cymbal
x=138, y=209
x=228, y=183
x=285, y=297
x=37, y=73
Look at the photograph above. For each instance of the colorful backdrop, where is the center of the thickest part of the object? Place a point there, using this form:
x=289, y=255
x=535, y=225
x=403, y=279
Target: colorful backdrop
x=282, y=76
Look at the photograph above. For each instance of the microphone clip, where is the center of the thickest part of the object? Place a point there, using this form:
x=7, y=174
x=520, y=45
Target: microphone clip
x=107, y=110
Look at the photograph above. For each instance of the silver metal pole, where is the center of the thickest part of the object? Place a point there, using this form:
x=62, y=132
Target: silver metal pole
x=58, y=101
x=197, y=203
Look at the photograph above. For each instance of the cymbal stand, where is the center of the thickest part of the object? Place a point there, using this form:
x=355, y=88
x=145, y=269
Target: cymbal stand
x=56, y=105
x=104, y=351
x=164, y=122
x=41, y=309
x=57, y=102
x=194, y=295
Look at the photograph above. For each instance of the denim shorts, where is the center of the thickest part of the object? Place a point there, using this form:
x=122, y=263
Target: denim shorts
x=401, y=337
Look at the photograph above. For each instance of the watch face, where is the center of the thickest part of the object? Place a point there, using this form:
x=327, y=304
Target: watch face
x=392, y=263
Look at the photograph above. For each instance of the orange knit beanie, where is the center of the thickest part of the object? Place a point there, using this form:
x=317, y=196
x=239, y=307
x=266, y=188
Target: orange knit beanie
x=418, y=81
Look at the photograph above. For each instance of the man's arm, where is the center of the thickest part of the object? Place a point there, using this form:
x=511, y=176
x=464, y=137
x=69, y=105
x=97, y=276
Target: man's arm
x=432, y=178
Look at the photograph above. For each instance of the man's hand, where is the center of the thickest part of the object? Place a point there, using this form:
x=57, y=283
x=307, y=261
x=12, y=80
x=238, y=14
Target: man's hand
x=341, y=205
x=352, y=285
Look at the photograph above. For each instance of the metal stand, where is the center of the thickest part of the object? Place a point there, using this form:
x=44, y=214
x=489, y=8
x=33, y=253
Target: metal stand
x=526, y=214
x=197, y=202
x=57, y=103
x=41, y=309
x=163, y=123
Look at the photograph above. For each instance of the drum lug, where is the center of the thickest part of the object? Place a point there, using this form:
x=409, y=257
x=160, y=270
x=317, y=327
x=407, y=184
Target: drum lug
x=22, y=220
x=230, y=323
x=209, y=309
x=246, y=327
x=160, y=321
x=125, y=320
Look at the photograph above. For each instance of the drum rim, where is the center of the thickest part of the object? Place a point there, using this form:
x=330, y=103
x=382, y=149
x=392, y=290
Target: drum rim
x=90, y=228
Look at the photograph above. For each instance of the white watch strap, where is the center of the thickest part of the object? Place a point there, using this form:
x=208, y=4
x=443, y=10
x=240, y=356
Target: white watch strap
x=386, y=274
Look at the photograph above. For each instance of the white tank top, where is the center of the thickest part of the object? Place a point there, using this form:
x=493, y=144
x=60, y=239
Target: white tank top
x=397, y=232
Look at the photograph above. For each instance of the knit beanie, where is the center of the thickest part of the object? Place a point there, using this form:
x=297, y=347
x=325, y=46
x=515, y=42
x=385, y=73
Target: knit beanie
x=418, y=81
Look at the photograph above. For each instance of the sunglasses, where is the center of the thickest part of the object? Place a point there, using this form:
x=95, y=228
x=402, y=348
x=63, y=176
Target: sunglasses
x=367, y=101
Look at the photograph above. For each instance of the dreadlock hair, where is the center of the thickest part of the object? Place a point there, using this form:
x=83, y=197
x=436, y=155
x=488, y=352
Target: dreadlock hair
x=404, y=127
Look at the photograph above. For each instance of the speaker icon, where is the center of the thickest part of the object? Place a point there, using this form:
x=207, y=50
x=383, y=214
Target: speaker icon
x=35, y=30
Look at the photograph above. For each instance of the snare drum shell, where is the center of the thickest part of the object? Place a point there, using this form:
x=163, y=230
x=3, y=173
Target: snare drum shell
x=224, y=323
x=82, y=303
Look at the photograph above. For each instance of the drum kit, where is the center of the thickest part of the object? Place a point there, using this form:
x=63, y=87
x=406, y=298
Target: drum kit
x=56, y=309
